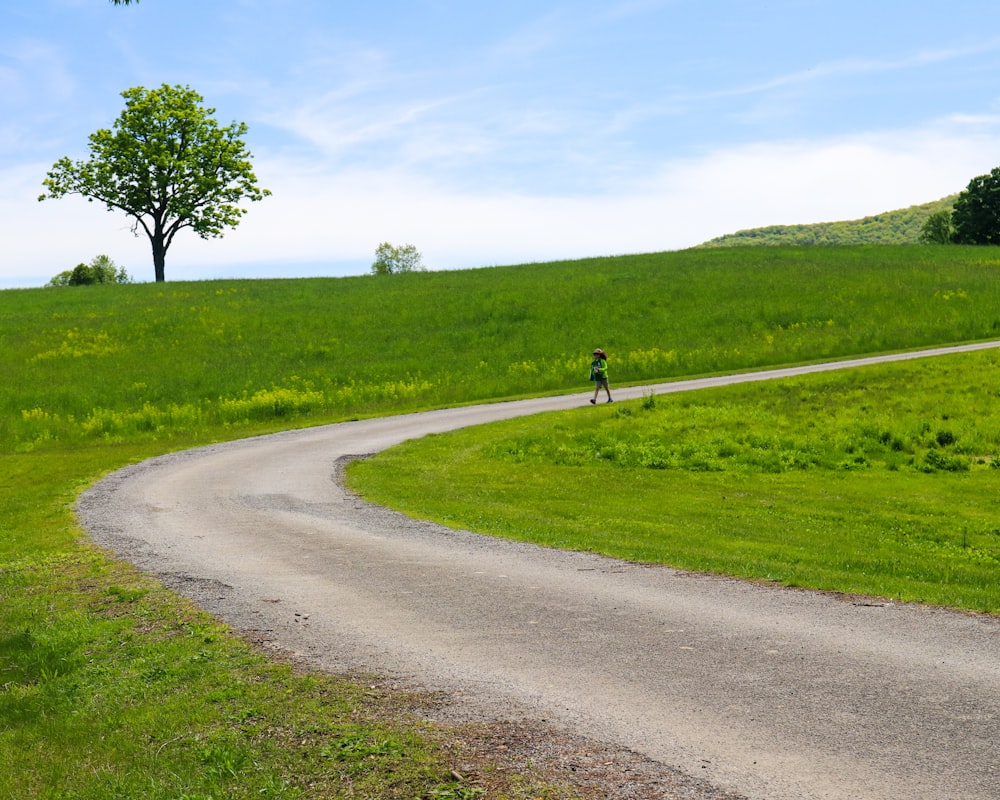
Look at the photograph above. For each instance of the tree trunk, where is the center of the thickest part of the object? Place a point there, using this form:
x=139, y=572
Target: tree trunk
x=159, y=256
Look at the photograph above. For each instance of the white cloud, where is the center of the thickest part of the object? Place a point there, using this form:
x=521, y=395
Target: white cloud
x=325, y=216
x=683, y=202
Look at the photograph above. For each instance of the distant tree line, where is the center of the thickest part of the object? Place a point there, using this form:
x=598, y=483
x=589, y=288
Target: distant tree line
x=892, y=227
x=970, y=217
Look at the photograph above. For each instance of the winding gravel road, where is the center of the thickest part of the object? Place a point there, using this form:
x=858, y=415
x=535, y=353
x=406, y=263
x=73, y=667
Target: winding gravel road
x=772, y=693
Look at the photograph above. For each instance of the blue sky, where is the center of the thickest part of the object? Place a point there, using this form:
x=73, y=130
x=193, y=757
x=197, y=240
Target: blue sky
x=500, y=133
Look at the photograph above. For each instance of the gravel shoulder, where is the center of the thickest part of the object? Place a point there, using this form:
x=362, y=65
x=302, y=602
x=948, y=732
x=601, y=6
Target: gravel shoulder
x=635, y=681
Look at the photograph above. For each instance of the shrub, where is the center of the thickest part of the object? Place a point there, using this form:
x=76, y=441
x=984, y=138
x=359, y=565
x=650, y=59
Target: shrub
x=100, y=270
x=389, y=260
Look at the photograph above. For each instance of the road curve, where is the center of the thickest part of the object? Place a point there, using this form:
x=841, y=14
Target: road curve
x=775, y=694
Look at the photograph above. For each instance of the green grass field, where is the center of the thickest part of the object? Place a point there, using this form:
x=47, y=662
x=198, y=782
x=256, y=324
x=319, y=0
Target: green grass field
x=96, y=365
x=113, y=687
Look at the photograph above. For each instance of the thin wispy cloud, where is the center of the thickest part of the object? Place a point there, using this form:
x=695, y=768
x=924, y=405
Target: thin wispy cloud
x=31, y=66
x=535, y=36
x=868, y=67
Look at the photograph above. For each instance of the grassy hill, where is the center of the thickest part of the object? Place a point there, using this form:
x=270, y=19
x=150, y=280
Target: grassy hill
x=99, y=365
x=113, y=687
x=892, y=227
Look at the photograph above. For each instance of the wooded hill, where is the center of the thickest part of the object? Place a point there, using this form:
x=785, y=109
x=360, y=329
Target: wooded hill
x=892, y=227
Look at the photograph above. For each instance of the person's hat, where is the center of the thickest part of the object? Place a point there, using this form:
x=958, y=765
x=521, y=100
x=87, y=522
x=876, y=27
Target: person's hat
x=598, y=352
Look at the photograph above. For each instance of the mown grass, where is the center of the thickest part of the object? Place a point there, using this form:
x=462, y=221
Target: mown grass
x=113, y=687
x=878, y=481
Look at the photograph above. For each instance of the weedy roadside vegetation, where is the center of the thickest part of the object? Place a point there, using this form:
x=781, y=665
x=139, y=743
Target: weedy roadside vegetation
x=113, y=687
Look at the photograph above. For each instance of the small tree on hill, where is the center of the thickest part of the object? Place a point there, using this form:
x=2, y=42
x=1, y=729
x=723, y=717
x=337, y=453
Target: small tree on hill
x=937, y=228
x=390, y=260
x=976, y=216
x=101, y=269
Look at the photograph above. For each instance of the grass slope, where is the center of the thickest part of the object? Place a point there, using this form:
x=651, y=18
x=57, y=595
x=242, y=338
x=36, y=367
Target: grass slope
x=93, y=366
x=114, y=687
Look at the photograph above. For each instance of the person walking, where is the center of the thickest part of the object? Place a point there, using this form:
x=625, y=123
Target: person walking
x=599, y=374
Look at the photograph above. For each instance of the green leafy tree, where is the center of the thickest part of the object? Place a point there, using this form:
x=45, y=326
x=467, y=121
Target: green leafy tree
x=937, y=228
x=390, y=260
x=167, y=164
x=101, y=269
x=976, y=217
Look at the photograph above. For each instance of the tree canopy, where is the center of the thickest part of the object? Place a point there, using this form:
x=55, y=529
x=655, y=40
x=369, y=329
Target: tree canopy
x=976, y=216
x=937, y=228
x=167, y=164
x=390, y=260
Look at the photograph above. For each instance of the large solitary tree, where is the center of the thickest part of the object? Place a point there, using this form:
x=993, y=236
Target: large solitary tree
x=976, y=216
x=167, y=164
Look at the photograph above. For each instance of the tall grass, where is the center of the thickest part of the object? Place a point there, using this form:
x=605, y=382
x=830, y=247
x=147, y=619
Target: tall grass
x=111, y=687
x=116, y=363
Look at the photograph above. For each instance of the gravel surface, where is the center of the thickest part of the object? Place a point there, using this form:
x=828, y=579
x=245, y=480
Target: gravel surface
x=631, y=681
